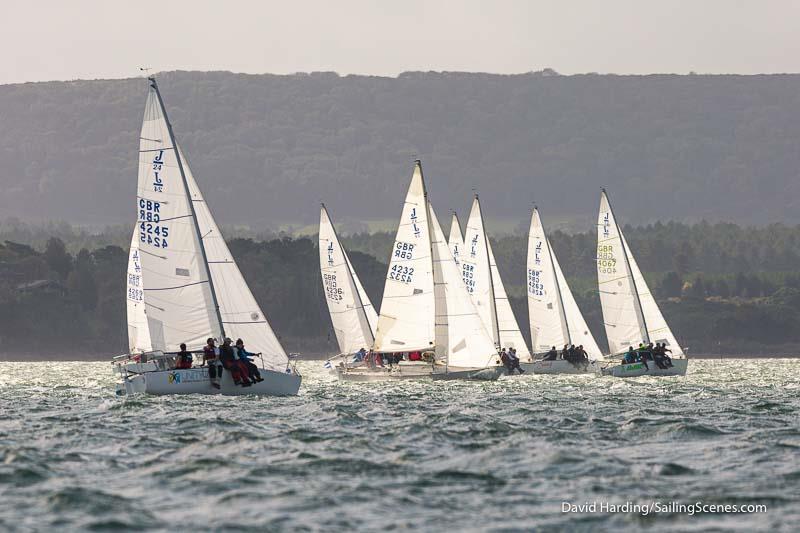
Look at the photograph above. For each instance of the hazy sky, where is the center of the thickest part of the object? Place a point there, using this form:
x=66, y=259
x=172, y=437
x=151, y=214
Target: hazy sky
x=56, y=40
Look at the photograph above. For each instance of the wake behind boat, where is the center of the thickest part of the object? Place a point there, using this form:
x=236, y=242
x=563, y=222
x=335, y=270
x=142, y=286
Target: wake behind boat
x=184, y=285
x=428, y=327
x=555, y=319
x=631, y=314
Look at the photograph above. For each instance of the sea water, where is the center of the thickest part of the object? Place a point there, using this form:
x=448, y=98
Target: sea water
x=523, y=453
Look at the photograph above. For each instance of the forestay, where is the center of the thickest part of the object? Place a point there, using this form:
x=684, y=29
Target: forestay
x=555, y=319
x=138, y=332
x=455, y=240
x=461, y=337
x=622, y=313
x=476, y=270
x=242, y=317
x=180, y=303
x=406, y=320
x=352, y=314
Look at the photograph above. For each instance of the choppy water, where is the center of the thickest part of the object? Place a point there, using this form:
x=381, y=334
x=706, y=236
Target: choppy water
x=431, y=456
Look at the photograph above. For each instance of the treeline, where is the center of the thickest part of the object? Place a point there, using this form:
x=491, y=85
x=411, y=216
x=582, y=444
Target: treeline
x=722, y=287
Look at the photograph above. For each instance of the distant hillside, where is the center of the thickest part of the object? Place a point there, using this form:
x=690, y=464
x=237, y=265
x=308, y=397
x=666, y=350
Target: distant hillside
x=266, y=149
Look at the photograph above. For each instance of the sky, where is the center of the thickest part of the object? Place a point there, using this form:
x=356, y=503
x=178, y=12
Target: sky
x=86, y=39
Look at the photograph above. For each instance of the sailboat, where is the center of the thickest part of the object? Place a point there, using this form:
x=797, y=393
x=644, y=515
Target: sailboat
x=555, y=319
x=426, y=309
x=483, y=282
x=189, y=287
x=353, y=317
x=630, y=312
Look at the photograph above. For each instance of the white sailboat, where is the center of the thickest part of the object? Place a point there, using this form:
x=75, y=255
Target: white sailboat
x=630, y=312
x=353, y=317
x=425, y=307
x=482, y=279
x=191, y=288
x=555, y=319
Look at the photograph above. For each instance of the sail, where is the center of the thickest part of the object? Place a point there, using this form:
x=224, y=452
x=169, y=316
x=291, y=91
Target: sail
x=242, y=317
x=177, y=287
x=548, y=321
x=348, y=309
x=461, y=337
x=369, y=309
x=622, y=313
x=508, y=328
x=476, y=270
x=455, y=240
x=579, y=332
x=658, y=330
x=407, y=321
x=138, y=332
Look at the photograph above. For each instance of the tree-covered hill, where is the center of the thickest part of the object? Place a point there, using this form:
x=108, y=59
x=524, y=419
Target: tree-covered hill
x=266, y=149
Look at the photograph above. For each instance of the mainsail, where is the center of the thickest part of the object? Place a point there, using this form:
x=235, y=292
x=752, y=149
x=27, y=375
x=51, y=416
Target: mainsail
x=242, y=317
x=555, y=318
x=138, y=331
x=508, y=328
x=181, y=306
x=461, y=336
x=477, y=272
x=630, y=312
x=455, y=240
x=352, y=314
x=407, y=320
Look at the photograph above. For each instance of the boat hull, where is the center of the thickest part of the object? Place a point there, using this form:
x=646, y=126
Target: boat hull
x=560, y=366
x=196, y=381
x=632, y=370
x=417, y=372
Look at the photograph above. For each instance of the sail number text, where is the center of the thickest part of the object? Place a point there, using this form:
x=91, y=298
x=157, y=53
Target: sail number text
x=535, y=286
x=403, y=250
x=401, y=273
x=468, y=275
x=150, y=231
x=332, y=290
x=606, y=263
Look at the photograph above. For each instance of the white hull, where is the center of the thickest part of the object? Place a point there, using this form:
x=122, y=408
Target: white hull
x=632, y=370
x=560, y=366
x=196, y=381
x=413, y=371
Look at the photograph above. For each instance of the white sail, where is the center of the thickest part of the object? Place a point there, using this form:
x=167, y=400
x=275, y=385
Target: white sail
x=138, y=332
x=242, y=317
x=622, y=313
x=366, y=303
x=349, y=307
x=461, y=337
x=555, y=318
x=177, y=289
x=507, y=325
x=455, y=240
x=658, y=330
x=476, y=270
x=406, y=320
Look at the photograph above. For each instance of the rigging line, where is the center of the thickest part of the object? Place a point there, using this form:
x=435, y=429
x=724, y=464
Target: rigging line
x=250, y=322
x=152, y=254
x=178, y=287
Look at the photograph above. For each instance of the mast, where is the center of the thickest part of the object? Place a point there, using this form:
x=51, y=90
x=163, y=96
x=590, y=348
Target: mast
x=495, y=321
x=637, y=301
x=154, y=85
x=349, y=273
x=418, y=163
x=555, y=278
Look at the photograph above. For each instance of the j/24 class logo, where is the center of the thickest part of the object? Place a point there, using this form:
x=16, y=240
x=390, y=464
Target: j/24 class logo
x=158, y=164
